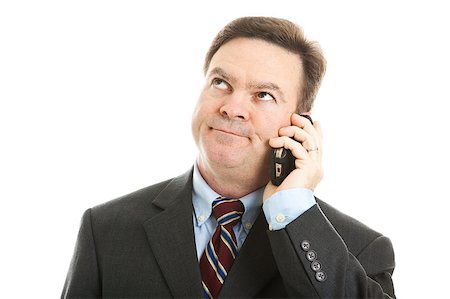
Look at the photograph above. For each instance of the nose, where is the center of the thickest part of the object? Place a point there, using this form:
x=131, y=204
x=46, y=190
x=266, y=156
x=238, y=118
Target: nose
x=235, y=108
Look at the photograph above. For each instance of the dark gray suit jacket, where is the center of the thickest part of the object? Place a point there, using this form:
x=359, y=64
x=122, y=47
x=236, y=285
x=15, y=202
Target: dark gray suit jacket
x=142, y=246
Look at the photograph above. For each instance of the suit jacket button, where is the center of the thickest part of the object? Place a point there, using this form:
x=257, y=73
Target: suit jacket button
x=321, y=276
x=315, y=265
x=305, y=245
x=311, y=255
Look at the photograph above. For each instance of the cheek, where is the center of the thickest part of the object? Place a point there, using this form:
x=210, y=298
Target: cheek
x=269, y=131
x=203, y=109
x=201, y=112
x=270, y=125
x=205, y=104
x=197, y=117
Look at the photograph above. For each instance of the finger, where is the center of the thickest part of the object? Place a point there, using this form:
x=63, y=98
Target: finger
x=295, y=147
x=306, y=140
x=314, y=129
x=318, y=128
x=315, y=153
x=299, y=135
x=319, y=131
x=300, y=121
x=306, y=125
x=305, y=132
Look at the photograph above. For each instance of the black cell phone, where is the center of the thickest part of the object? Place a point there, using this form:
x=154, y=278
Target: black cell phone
x=282, y=162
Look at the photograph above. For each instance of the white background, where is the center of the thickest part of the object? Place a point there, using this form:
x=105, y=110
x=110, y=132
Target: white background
x=93, y=93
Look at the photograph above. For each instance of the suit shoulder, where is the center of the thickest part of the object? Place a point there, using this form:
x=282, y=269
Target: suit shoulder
x=141, y=204
x=355, y=234
x=134, y=207
x=138, y=197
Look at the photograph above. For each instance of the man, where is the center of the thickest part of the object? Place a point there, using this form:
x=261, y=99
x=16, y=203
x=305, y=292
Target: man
x=178, y=239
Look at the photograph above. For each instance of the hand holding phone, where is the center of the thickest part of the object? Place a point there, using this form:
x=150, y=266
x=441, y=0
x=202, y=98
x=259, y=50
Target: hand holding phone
x=282, y=162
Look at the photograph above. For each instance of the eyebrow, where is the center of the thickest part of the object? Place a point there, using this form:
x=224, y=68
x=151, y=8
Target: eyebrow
x=258, y=85
x=219, y=71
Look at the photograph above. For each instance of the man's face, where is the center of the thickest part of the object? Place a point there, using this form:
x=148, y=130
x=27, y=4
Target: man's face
x=250, y=92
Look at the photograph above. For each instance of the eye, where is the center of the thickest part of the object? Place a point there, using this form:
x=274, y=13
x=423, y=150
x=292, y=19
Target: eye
x=220, y=84
x=265, y=96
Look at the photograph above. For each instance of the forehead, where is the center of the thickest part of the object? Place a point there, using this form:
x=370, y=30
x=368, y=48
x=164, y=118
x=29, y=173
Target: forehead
x=258, y=60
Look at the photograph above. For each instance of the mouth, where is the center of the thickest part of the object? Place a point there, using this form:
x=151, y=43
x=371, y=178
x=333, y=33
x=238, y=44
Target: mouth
x=225, y=131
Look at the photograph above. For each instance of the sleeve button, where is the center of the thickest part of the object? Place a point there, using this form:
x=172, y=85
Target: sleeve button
x=311, y=255
x=305, y=245
x=321, y=276
x=315, y=265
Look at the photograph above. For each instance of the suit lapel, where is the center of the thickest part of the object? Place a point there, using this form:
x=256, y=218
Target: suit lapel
x=171, y=237
x=254, y=266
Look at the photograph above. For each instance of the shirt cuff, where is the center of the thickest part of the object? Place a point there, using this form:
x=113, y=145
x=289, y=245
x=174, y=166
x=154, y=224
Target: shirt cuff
x=285, y=206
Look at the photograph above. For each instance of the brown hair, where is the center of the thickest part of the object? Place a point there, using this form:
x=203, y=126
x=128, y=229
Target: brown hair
x=285, y=34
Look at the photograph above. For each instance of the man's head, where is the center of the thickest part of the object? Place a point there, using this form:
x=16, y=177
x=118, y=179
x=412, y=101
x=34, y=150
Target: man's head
x=254, y=80
x=287, y=35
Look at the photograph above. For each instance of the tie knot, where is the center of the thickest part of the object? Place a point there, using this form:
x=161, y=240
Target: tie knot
x=227, y=211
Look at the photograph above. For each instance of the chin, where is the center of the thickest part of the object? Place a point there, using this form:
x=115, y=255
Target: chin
x=235, y=153
x=227, y=159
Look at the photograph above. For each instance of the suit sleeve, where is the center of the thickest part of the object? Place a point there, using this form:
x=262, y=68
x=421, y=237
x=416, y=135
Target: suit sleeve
x=310, y=249
x=83, y=277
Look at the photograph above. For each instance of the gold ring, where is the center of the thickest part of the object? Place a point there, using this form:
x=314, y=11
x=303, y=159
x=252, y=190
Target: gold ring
x=312, y=149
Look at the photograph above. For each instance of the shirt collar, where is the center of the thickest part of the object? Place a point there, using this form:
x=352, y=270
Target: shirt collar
x=203, y=196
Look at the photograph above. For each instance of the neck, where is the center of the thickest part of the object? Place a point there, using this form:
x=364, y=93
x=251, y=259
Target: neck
x=231, y=182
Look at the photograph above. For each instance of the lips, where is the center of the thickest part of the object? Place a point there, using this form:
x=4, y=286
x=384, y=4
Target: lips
x=228, y=132
x=230, y=127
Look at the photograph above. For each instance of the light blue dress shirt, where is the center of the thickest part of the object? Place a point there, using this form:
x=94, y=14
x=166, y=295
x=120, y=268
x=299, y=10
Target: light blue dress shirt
x=280, y=210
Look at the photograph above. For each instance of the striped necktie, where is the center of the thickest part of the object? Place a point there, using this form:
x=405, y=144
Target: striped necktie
x=222, y=249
